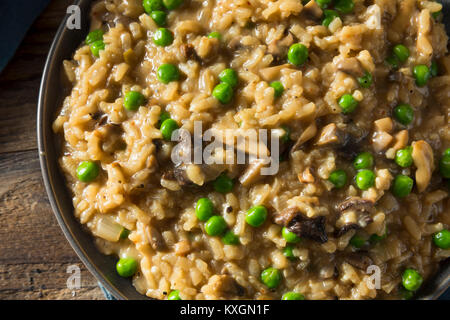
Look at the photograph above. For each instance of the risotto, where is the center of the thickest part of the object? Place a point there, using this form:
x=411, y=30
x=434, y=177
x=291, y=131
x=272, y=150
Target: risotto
x=354, y=92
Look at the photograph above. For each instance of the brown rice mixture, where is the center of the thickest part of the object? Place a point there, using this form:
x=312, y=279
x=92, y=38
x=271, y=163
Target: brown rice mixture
x=139, y=189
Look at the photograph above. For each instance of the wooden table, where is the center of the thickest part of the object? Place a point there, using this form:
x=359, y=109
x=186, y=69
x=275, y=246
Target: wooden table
x=34, y=254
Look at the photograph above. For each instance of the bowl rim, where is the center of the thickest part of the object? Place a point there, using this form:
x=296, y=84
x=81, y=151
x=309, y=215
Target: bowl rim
x=434, y=287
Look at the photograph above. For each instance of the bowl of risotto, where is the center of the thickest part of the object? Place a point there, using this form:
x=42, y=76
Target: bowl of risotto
x=252, y=149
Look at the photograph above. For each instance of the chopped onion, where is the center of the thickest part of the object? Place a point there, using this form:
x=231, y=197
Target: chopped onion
x=108, y=229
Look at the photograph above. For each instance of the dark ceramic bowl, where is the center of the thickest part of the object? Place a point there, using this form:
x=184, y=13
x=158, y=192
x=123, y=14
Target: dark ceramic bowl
x=51, y=94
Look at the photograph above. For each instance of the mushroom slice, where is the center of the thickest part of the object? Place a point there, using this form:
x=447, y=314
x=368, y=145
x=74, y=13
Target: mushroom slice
x=358, y=260
x=155, y=239
x=329, y=134
x=302, y=226
x=312, y=10
x=308, y=134
x=350, y=66
x=252, y=173
x=355, y=213
x=422, y=155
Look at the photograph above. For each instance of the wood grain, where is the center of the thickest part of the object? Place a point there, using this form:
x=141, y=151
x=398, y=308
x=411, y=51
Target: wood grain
x=34, y=252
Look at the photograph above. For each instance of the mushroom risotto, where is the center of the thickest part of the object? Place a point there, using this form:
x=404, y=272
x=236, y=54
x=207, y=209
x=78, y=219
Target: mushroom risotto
x=355, y=93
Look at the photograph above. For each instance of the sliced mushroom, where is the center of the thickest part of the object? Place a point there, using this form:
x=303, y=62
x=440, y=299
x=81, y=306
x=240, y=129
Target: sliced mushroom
x=252, y=173
x=328, y=135
x=350, y=66
x=155, y=239
x=356, y=203
x=192, y=174
x=350, y=145
x=355, y=213
x=189, y=53
x=307, y=135
x=422, y=155
x=312, y=10
x=302, y=226
x=306, y=176
x=359, y=260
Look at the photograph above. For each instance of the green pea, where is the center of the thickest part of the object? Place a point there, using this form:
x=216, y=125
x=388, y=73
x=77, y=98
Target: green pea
x=358, y=241
x=124, y=234
x=172, y=4
x=215, y=35
x=404, y=114
x=338, y=178
x=126, y=267
x=163, y=117
x=215, y=226
x=160, y=17
x=348, y=103
x=278, y=88
x=271, y=277
x=298, y=54
x=289, y=236
x=174, y=295
x=446, y=152
x=96, y=47
x=422, y=75
x=163, y=37
x=152, y=5
x=393, y=61
x=230, y=77
x=405, y=294
x=93, y=36
x=167, y=128
x=444, y=165
x=288, y=252
x=345, y=6
x=87, y=171
x=401, y=52
x=223, y=92
x=411, y=280
x=403, y=157
x=133, y=100
x=442, y=239
x=287, y=134
x=365, y=179
x=364, y=160
x=323, y=3
x=376, y=238
x=436, y=14
x=223, y=184
x=230, y=239
x=329, y=15
x=434, y=69
x=366, y=80
x=402, y=186
x=168, y=72
x=204, y=209
x=256, y=216
x=292, y=296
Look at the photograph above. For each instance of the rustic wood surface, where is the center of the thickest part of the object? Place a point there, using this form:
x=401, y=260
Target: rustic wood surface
x=34, y=254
